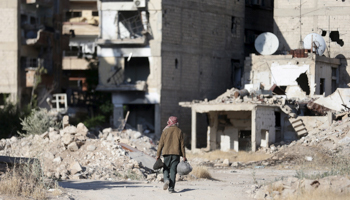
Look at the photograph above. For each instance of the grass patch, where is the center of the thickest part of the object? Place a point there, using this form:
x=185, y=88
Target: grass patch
x=26, y=180
x=233, y=156
x=201, y=172
x=339, y=166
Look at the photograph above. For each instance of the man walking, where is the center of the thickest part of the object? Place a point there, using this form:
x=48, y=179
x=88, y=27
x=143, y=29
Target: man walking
x=171, y=145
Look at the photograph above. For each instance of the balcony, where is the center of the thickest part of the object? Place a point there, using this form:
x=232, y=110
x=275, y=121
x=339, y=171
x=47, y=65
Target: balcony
x=138, y=86
x=46, y=3
x=132, y=29
x=39, y=38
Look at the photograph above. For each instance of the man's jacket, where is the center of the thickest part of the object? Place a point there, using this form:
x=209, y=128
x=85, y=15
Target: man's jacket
x=172, y=142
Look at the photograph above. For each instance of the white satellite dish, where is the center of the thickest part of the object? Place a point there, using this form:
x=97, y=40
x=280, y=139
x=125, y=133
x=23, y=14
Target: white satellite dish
x=266, y=43
x=319, y=45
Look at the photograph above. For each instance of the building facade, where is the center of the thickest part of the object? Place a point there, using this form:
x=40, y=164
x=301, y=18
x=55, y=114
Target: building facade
x=81, y=23
x=295, y=20
x=31, y=37
x=154, y=54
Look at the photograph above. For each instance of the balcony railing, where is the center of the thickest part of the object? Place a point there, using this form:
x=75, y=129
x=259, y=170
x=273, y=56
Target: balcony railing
x=138, y=86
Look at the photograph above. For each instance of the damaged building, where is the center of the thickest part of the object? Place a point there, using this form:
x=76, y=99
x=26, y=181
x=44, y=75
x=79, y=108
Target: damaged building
x=294, y=20
x=81, y=23
x=153, y=54
x=31, y=37
x=284, y=97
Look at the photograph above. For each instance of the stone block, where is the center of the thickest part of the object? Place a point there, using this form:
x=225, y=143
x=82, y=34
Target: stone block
x=91, y=148
x=67, y=139
x=73, y=147
x=54, y=136
x=81, y=129
x=65, y=121
x=75, y=167
x=70, y=130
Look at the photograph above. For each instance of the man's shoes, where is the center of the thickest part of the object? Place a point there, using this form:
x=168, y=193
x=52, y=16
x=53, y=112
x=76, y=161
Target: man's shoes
x=166, y=185
x=171, y=191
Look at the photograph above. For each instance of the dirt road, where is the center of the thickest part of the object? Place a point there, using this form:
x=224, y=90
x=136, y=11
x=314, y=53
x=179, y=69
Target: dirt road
x=228, y=184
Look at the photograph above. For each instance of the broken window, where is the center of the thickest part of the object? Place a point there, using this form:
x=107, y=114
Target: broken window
x=303, y=83
x=137, y=69
x=322, y=85
x=335, y=37
x=131, y=24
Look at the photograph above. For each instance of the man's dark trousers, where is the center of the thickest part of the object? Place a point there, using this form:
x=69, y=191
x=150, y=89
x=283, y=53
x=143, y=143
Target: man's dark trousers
x=170, y=166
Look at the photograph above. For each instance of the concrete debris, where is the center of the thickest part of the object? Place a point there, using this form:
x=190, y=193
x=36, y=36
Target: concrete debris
x=71, y=153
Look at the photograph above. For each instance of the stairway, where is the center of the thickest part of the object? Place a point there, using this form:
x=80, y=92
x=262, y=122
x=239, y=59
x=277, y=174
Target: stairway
x=298, y=126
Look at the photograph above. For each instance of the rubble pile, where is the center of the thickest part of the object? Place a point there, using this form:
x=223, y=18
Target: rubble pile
x=74, y=153
x=290, y=186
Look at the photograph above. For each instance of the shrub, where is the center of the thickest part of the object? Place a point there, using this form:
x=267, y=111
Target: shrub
x=201, y=172
x=38, y=122
x=10, y=122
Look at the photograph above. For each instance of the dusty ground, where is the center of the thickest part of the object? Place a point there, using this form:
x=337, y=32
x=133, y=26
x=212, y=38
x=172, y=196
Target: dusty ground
x=228, y=184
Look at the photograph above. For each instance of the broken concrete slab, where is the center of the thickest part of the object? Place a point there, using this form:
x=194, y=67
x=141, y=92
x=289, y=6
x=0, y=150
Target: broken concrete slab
x=336, y=100
x=75, y=167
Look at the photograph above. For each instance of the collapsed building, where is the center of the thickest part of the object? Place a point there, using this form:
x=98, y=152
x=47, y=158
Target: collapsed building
x=284, y=98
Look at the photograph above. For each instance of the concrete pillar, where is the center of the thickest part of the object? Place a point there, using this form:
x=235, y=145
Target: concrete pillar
x=235, y=140
x=253, y=130
x=214, y=121
x=117, y=115
x=194, y=130
x=157, y=127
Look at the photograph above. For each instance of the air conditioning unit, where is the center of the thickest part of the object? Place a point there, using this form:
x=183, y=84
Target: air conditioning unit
x=140, y=3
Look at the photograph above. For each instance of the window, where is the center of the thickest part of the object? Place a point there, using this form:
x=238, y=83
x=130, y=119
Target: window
x=233, y=25
x=73, y=14
x=24, y=19
x=334, y=72
x=95, y=13
x=29, y=62
x=32, y=20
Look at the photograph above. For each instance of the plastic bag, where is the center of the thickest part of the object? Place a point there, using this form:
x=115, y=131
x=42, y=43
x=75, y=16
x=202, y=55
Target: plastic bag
x=184, y=168
x=158, y=164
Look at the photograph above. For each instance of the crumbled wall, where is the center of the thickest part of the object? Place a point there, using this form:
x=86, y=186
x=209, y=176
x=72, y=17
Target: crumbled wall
x=317, y=16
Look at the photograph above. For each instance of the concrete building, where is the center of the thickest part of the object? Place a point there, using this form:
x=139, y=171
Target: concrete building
x=295, y=19
x=154, y=54
x=30, y=37
x=82, y=24
x=298, y=77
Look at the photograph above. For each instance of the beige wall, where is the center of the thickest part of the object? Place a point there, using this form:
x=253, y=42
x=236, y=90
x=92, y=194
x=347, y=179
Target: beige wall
x=316, y=16
x=9, y=45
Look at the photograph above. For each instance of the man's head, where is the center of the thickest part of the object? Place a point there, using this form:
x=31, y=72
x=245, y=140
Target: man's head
x=172, y=121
